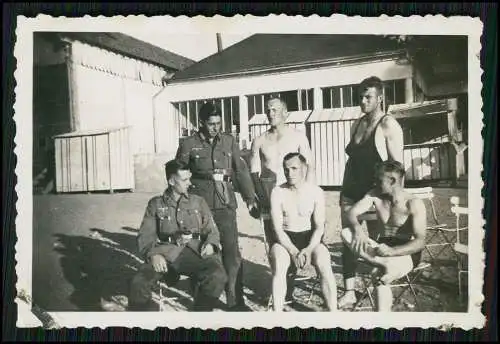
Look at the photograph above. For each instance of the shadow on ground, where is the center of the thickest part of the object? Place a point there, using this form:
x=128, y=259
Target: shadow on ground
x=100, y=266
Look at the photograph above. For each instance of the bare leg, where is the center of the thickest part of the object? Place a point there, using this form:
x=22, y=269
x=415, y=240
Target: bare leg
x=280, y=261
x=384, y=298
x=322, y=262
x=369, y=256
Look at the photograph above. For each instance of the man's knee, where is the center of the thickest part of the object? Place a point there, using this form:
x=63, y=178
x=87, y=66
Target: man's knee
x=215, y=276
x=219, y=273
x=142, y=283
x=321, y=258
x=346, y=236
x=280, y=258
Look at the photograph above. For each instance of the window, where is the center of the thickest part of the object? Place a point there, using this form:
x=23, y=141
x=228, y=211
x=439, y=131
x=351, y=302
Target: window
x=394, y=92
x=348, y=95
x=295, y=100
x=187, y=115
x=340, y=96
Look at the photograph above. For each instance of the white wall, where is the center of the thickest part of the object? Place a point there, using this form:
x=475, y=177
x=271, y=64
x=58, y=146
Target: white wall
x=271, y=82
x=109, y=90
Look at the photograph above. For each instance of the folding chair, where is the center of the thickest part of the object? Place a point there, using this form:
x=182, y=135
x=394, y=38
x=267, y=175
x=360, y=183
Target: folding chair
x=460, y=248
x=437, y=229
x=296, y=278
x=406, y=282
x=162, y=299
x=162, y=286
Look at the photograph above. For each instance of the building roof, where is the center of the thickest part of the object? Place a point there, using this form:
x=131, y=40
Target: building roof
x=265, y=52
x=131, y=47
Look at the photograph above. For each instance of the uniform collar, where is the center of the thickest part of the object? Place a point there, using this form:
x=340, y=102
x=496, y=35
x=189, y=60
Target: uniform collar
x=205, y=138
x=168, y=197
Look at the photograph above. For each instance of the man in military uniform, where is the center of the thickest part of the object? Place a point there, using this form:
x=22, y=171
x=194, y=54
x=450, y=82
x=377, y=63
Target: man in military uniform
x=178, y=234
x=215, y=161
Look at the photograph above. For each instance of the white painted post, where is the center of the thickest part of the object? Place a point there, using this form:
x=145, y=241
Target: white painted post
x=409, y=90
x=244, y=122
x=318, y=98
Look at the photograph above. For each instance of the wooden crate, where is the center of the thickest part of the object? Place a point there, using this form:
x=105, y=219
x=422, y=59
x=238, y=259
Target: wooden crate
x=97, y=160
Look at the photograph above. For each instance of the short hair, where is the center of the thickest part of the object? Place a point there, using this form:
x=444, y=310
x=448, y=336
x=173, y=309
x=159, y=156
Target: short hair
x=391, y=166
x=370, y=82
x=173, y=167
x=276, y=97
x=293, y=155
x=208, y=110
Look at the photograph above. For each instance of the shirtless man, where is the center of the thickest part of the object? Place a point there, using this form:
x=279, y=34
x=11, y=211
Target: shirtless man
x=268, y=151
x=293, y=204
x=376, y=137
x=401, y=230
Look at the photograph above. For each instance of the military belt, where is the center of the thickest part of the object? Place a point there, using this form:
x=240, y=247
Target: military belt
x=179, y=239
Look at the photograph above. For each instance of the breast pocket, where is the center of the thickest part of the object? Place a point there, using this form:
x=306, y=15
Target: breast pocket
x=221, y=158
x=192, y=220
x=166, y=223
x=201, y=159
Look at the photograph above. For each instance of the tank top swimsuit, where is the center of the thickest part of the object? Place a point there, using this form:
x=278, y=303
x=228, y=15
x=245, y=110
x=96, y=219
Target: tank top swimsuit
x=359, y=170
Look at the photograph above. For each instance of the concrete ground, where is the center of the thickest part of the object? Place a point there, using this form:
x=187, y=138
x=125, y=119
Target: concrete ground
x=84, y=253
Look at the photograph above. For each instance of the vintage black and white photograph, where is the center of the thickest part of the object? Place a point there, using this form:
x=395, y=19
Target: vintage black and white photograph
x=220, y=170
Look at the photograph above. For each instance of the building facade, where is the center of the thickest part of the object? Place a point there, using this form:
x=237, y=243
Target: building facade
x=313, y=73
x=96, y=81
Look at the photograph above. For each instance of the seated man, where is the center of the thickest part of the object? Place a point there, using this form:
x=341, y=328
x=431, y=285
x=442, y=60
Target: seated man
x=292, y=205
x=401, y=231
x=178, y=234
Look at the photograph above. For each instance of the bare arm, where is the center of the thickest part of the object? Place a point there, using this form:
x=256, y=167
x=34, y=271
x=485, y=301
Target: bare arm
x=419, y=224
x=318, y=220
x=393, y=139
x=277, y=218
x=305, y=150
x=359, y=208
x=360, y=241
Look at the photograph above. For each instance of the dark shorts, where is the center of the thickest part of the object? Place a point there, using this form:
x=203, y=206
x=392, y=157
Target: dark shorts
x=300, y=239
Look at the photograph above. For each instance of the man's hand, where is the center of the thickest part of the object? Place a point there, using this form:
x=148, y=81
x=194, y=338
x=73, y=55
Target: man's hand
x=383, y=250
x=305, y=257
x=359, y=241
x=253, y=209
x=207, y=250
x=297, y=258
x=159, y=263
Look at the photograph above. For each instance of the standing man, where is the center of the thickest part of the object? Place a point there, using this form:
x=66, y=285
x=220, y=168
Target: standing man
x=215, y=161
x=400, y=234
x=298, y=241
x=268, y=151
x=376, y=137
x=178, y=235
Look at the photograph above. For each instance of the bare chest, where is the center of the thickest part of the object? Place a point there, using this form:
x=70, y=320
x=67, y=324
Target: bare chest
x=274, y=148
x=297, y=203
x=392, y=216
